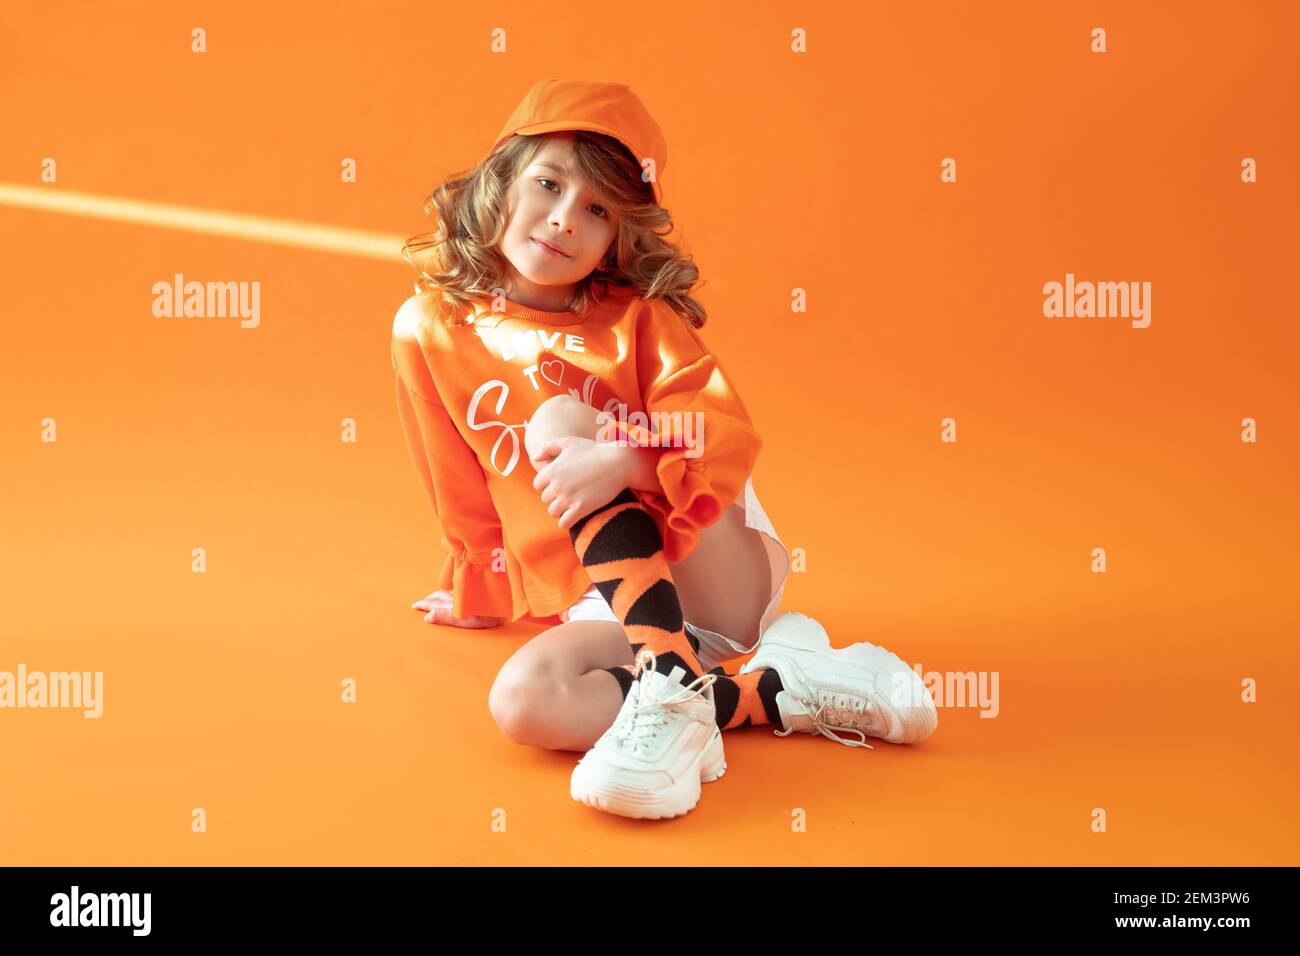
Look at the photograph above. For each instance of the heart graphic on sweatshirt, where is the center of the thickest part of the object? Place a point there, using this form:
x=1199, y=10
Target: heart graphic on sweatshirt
x=557, y=366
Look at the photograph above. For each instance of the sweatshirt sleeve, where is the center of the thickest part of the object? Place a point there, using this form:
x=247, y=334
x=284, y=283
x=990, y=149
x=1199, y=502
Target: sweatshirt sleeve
x=691, y=402
x=455, y=484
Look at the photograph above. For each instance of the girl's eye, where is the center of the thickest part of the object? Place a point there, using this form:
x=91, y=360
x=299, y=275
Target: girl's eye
x=602, y=214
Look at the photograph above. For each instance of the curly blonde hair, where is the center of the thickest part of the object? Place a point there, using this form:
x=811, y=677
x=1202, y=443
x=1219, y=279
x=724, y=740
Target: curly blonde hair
x=471, y=209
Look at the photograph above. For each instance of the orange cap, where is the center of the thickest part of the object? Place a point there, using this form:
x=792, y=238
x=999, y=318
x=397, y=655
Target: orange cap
x=609, y=108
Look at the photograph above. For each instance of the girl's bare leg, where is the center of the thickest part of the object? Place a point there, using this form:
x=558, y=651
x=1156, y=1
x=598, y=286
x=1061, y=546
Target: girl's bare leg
x=725, y=584
x=554, y=692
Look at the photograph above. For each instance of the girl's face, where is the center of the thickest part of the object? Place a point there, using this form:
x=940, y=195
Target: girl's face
x=549, y=207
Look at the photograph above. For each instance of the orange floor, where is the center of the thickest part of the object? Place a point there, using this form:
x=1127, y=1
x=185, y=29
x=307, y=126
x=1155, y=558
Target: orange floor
x=1119, y=691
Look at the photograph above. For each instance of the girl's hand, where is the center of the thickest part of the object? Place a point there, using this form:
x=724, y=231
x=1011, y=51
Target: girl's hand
x=579, y=477
x=438, y=606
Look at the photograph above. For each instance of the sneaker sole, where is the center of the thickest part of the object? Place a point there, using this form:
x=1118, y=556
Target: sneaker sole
x=675, y=801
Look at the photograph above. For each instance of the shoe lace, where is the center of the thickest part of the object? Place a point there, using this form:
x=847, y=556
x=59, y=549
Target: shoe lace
x=845, y=713
x=640, y=724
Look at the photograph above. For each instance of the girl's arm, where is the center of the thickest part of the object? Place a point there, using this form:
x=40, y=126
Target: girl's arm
x=638, y=466
x=703, y=445
x=457, y=489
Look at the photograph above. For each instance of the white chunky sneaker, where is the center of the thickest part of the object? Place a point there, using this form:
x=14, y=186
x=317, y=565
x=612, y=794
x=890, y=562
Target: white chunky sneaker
x=662, y=745
x=863, y=689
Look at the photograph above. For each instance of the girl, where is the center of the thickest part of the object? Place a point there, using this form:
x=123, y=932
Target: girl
x=588, y=457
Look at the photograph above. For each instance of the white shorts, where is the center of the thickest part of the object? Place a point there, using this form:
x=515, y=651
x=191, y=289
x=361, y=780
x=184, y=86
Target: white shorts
x=714, y=647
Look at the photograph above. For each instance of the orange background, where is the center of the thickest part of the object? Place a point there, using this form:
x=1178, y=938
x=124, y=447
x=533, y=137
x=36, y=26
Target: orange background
x=818, y=171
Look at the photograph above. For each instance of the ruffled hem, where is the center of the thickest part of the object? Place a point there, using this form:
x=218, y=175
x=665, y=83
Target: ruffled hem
x=475, y=587
x=689, y=502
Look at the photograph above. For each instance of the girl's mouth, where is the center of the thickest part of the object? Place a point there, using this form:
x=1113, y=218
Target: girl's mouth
x=553, y=251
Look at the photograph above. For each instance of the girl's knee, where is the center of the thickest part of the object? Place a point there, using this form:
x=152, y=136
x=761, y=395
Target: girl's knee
x=558, y=415
x=521, y=702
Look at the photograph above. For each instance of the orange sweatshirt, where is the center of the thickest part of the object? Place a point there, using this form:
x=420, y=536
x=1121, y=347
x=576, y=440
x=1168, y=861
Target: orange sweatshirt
x=465, y=395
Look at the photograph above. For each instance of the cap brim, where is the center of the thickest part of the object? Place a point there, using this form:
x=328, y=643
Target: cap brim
x=557, y=126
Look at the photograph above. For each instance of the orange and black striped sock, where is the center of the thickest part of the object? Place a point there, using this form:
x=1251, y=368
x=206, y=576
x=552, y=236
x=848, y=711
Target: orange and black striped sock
x=742, y=700
x=620, y=546
x=747, y=700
